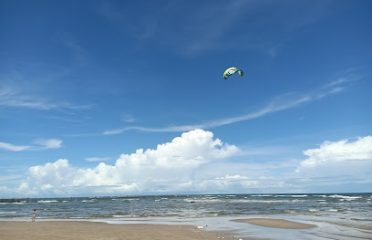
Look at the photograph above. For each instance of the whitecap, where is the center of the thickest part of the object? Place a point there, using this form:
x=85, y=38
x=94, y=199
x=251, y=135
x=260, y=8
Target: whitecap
x=47, y=201
x=347, y=198
x=313, y=210
x=332, y=210
x=299, y=195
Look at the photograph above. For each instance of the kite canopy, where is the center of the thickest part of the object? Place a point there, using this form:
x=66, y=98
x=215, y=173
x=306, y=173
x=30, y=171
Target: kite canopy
x=232, y=70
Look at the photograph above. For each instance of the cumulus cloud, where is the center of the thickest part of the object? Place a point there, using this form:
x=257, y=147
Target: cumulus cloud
x=340, y=165
x=198, y=162
x=167, y=167
x=58, y=172
x=191, y=149
x=340, y=151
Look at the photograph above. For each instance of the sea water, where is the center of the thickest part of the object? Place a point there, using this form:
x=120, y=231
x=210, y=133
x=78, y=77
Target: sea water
x=356, y=205
x=337, y=215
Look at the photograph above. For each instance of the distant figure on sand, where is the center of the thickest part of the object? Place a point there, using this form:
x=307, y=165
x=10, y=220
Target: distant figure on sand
x=34, y=214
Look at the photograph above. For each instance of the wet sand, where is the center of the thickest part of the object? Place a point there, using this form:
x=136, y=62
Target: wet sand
x=102, y=231
x=276, y=223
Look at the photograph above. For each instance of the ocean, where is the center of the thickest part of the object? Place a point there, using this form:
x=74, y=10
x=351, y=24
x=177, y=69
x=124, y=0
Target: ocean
x=335, y=214
x=357, y=205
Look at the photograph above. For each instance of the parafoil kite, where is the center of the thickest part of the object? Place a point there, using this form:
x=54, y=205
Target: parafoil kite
x=230, y=71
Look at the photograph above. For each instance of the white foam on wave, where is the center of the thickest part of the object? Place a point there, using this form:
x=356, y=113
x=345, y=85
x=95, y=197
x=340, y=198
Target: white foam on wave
x=245, y=200
x=161, y=199
x=332, y=210
x=47, y=201
x=260, y=195
x=203, y=200
x=125, y=199
x=88, y=201
x=313, y=210
x=266, y=201
x=16, y=203
x=121, y=216
x=292, y=195
x=344, y=197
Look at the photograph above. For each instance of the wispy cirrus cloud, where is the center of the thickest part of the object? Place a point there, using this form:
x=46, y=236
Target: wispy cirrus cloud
x=281, y=103
x=202, y=28
x=128, y=118
x=11, y=97
x=97, y=159
x=39, y=144
x=270, y=108
x=13, y=147
x=77, y=51
x=52, y=143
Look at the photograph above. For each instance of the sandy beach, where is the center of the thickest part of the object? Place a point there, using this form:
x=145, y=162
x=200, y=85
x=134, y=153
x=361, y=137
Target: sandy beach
x=102, y=231
x=233, y=229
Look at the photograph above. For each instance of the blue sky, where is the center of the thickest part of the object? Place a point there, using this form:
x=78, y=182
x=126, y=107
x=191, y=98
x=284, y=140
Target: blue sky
x=83, y=86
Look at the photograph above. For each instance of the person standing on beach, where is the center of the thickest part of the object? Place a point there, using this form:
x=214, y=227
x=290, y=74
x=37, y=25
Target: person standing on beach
x=34, y=215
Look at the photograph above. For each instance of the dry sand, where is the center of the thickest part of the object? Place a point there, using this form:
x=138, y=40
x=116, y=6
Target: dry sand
x=276, y=223
x=102, y=231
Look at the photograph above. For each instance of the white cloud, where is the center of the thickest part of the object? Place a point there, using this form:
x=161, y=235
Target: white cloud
x=97, y=159
x=204, y=30
x=189, y=150
x=12, y=147
x=167, y=166
x=51, y=143
x=128, y=118
x=198, y=162
x=274, y=106
x=58, y=172
x=338, y=152
x=341, y=165
x=14, y=98
x=279, y=104
x=9, y=97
